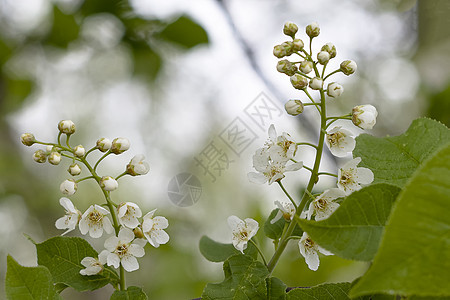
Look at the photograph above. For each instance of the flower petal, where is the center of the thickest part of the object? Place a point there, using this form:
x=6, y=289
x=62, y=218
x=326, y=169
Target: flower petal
x=111, y=243
x=130, y=263
x=113, y=260
x=126, y=235
x=364, y=175
x=160, y=222
x=136, y=250
x=160, y=236
x=235, y=223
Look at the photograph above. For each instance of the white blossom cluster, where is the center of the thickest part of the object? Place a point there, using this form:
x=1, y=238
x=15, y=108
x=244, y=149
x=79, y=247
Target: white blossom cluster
x=131, y=230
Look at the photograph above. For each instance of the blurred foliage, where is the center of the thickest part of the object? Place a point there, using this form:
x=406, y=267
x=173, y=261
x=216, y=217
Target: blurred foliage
x=439, y=106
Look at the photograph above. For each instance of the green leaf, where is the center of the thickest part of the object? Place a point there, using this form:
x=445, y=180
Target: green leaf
x=17, y=90
x=394, y=159
x=27, y=283
x=185, y=32
x=354, y=230
x=276, y=289
x=62, y=256
x=218, y=252
x=332, y=291
x=414, y=256
x=64, y=29
x=244, y=279
x=274, y=231
x=132, y=293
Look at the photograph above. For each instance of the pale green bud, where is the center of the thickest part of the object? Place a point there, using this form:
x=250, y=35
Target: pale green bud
x=74, y=169
x=348, y=67
x=290, y=29
x=27, y=139
x=313, y=30
x=297, y=45
x=294, y=107
x=67, y=127
x=316, y=83
x=299, y=82
x=279, y=51
x=330, y=48
x=323, y=57
x=54, y=158
x=39, y=156
x=306, y=66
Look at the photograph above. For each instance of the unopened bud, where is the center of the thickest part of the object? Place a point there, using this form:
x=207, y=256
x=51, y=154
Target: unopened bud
x=299, y=82
x=120, y=145
x=138, y=233
x=74, y=169
x=330, y=48
x=54, y=158
x=313, y=30
x=79, y=151
x=294, y=107
x=103, y=144
x=108, y=183
x=316, y=83
x=288, y=48
x=306, y=66
x=27, y=139
x=66, y=126
x=40, y=156
x=290, y=29
x=335, y=89
x=323, y=57
x=297, y=45
x=279, y=51
x=348, y=67
x=286, y=67
x=364, y=116
x=68, y=187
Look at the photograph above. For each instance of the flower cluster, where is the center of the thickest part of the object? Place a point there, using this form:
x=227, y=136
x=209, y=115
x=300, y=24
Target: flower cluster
x=132, y=231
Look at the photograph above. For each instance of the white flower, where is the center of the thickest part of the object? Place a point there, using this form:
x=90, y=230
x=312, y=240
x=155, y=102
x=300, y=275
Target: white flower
x=54, y=158
x=306, y=66
x=153, y=229
x=79, y=151
x=270, y=170
x=27, y=139
x=310, y=251
x=68, y=187
x=103, y=144
x=323, y=57
x=334, y=89
x=108, y=183
x=93, y=265
x=316, y=83
x=340, y=141
x=350, y=177
x=70, y=220
x=348, y=67
x=40, y=156
x=66, y=126
x=313, y=30
x=120, y=145
x=282, y=147
x=242, y=230
x=286, y=210
x=123, y=251
x=138, y=166
x=128, y=214
x=323, y=206
x=364, y=116
x=74, y=169
x=294, y=107
x=95, y=221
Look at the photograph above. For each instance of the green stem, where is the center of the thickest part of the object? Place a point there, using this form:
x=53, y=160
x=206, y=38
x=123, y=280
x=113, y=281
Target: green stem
x=101, y=158
x=259, y=251
x=329, y=174
x=317, y=105
x=287, y=194
x=121, y=175
x=312, y=181
x=307, y=144
x=334, y=72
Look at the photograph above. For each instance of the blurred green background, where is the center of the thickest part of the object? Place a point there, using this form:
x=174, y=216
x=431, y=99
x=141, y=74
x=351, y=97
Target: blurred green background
x=170, y=76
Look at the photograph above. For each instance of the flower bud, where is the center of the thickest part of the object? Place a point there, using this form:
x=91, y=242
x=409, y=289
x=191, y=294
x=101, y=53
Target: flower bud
x=313, y=30
x=68, y=187
x=120, y=145
x=299, y=82
x=74, y=169
x=279, y=51
x=288, y=48
x=297, y=45
x=290, y=29
x=323, y=57
x=330, y=48
x=364, y=116
x=66, y=126
x=316, y=83
x=138, y=166
x=103, y=144
x=108, y=183
x=39, y=156
x=79, y=151
x=54, y=158
x=294, y=107
x=348, y=67
x=335, y=89
x=27, y=139
x=306, y=66
x=286, y=67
